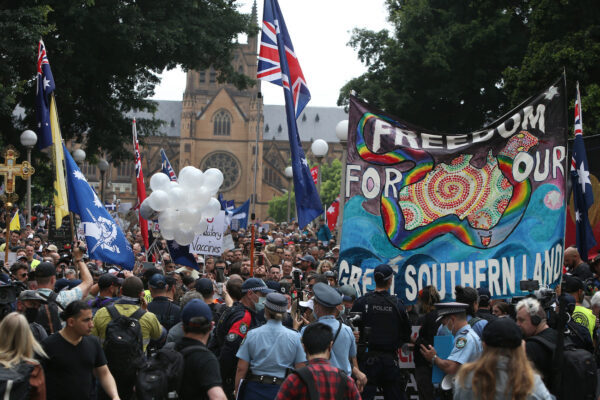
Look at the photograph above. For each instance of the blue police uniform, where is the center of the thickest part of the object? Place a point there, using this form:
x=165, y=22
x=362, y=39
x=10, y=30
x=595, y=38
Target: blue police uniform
x=467, y=346
x=270, y=350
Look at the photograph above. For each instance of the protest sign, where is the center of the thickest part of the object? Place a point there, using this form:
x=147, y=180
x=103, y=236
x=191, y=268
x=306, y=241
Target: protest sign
x=210, y=242
x=480, y=209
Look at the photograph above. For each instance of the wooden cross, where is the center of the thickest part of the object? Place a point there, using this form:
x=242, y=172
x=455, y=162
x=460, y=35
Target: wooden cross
x=10, y=169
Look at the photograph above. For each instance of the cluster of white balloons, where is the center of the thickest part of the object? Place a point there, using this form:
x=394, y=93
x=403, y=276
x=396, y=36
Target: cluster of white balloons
x=183, y=207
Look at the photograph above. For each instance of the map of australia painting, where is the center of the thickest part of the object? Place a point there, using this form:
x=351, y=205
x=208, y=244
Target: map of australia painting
x=484, y=208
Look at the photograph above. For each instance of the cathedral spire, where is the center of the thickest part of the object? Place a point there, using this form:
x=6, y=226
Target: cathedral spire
x=254, y=15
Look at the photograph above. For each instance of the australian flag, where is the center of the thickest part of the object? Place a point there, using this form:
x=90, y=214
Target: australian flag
x=239, y=216
x=45, y=86
x=105, y=239
x=277, y=63
x=582, y=187
x=181, y=255
x=166, y=166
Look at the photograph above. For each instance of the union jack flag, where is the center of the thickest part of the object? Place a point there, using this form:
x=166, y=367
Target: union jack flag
x=166, y=166
x=269, y=62
x=45, y=86
x=283, y=71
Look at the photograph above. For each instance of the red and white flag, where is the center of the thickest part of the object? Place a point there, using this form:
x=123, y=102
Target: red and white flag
x=314, y=171
x=332, y=214
x=141, y=187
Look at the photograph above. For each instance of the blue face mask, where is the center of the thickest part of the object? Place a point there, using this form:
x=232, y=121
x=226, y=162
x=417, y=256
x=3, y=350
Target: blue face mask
x=260, y=304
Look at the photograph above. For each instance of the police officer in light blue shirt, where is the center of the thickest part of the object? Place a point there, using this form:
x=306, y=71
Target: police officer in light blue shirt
x=268, y=351
x=467, y=344
x=343, y=352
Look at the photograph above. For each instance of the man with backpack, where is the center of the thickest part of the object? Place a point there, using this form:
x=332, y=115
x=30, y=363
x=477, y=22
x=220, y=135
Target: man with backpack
x=109, y=286
x=45, y=275
x=162, y=289
x=319, y=380
x=201, y=377
x=469, y=296
x=125, y=329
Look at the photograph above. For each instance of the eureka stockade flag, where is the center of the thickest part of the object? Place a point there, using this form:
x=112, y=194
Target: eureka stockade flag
x=479, y=209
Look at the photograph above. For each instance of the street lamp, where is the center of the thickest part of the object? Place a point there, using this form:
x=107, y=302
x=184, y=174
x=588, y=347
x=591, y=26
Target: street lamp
x=103, y=167
x=28, y=139
x=79, y=156
x=289, y=174
x=319, y=148
x=341, y=131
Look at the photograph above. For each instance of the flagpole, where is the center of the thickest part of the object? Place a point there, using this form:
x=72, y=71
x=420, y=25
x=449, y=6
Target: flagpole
x=258, y=101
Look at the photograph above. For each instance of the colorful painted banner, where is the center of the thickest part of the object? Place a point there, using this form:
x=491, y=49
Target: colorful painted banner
x=481, y=209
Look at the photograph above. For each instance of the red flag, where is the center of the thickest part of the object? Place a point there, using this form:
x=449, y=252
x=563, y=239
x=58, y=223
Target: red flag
x=332, y=214
x=314, y=171
x=141, y=187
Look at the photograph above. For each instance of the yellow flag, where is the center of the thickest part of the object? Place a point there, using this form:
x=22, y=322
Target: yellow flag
x=15, y=225
x=61, y=203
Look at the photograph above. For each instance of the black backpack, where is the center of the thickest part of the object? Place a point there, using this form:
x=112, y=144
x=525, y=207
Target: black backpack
x=124, y=343
x=48, y=314
x=162, y=373
x=579, y=378
x=14, y=382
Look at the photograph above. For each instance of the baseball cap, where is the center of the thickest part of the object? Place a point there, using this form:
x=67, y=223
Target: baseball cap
x=255, y=285
x=385, y=270
x=107, y=280
x=502, y=332
x=157, y=281
x=45, y=270
x=195, y=308
x=200, y=260
x=274, y=286
x=204, y=286
x=52, y=247
x=572, y=284
x=308, y=257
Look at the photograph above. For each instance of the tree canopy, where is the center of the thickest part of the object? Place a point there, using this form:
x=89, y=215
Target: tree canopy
x=456, y=66
x=105, y=57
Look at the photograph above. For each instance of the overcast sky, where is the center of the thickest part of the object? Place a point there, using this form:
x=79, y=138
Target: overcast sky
x=320, y=30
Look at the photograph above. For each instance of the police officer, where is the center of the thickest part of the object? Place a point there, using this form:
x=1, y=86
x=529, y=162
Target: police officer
x=268, y=351
x=234, y=325
x=343, y=351
x=467, y=344
x=384, y=327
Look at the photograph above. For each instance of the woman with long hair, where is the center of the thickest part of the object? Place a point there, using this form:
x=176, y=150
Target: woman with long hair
x=17, y=349
x=428, y=296
x=503, y=371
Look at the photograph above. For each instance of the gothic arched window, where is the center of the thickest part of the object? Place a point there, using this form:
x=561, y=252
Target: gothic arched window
x=222, y=123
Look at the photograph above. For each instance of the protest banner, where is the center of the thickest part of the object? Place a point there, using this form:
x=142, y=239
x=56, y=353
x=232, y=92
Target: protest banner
x=481, y=209
x=210, y=242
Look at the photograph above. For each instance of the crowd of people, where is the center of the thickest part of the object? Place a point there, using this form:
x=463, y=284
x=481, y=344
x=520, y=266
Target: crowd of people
x=279, y=326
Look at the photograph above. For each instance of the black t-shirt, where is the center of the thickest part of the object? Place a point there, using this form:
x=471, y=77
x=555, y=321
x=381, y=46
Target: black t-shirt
x=582, y=271
x=167, y=312
x=201, y=371
x=69, y=368
x=429, y=327
x=541, y=356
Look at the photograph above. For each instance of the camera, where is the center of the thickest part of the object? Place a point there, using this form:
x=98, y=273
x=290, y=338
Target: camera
x=355, y=318
x=8, y=295
x=529, y=285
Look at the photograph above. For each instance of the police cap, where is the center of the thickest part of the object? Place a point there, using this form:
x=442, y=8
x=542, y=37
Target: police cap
x=444, y=309
x=326, y=295
x=276, y=302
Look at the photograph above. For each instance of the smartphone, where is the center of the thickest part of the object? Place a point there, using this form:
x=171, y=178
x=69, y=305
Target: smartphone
x=297, y=282
x=147, y=265
x=220, y=275
x=261, y=259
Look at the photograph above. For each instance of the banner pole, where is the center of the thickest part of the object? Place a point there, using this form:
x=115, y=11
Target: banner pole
x=252, y=230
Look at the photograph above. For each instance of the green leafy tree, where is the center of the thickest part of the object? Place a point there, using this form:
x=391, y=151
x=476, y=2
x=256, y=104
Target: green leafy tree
x=278, y=207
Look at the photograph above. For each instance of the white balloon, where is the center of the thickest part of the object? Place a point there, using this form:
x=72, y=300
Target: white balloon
x=213, y=178
x=168, y=234
x=199, y=197
x=172, y=185
x=212, y=208
x=177, y=198
x=159, y=200
x=201, y=226
x=167, y=219
x=184, y=238
x=190, y=216
x=184, y=175
x=159, y=181
x=195, y=178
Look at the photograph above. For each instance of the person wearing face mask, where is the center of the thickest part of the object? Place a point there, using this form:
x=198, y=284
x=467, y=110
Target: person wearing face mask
x=267, y=352
x=467, y=344
x=28, y=304
x=235, y=324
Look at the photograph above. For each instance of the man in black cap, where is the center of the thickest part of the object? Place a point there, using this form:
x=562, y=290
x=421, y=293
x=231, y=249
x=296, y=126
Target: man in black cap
x=484, y=311
x=467, y=344
x=109, y=286
x=580, y=314
x=268, y=352
x=45, y=275
x=233, y=326
x=28, y=304
x=343, y=352
x=162, y=289
x=307, y=265
x=470, y=297
x=384, y=328
x=205, y=287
